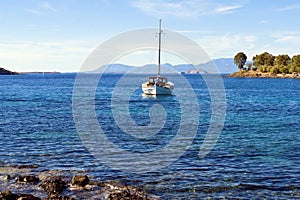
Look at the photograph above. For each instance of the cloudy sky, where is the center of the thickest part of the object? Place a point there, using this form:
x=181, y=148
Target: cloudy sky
x=59, y=35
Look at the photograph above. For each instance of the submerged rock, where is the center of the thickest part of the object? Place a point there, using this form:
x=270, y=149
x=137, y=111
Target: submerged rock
x=116, y=192
x=31, y=166
x=5, y=177
x=27, y=179
x=7, y=195
x=27, y=197
x=54, y=186
x=46, y=175
x=59, y=198
x=62, y=185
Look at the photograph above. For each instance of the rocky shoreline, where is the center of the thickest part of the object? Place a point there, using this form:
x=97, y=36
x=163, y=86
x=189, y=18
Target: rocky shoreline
x=22, y=183
x=7, y=72
x=257, y=74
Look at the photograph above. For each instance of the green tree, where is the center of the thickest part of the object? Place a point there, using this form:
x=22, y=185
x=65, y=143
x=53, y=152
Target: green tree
x=240, y=60
x=283, y=60
x=274, y=70
x=283, y=69
x=292, y=69
x=264, y=68
x=265, y=59
x=296, y=61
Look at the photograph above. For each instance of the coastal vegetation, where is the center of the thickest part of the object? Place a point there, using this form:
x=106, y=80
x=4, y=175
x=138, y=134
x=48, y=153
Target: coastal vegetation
x=267, y=65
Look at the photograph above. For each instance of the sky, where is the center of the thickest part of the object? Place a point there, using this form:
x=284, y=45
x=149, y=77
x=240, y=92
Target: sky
x=59, y=35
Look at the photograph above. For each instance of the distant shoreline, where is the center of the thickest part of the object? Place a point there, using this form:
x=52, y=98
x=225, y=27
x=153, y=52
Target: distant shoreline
x=257, y=74
x=24, y=73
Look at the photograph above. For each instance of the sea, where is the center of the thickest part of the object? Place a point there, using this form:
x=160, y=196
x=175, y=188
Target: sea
x=57, y=122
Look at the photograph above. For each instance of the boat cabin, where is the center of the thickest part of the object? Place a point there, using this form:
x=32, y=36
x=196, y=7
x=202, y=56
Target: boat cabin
x=153, y=79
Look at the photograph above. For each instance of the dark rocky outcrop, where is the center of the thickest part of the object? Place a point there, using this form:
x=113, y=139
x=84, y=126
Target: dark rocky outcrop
x=6, y=72
x=27, y=179
x=80, y=181
x=27, y=197
x=8, y=195
x=63, y=185
x=59, y=198
x=54, y=186
x=114, y=191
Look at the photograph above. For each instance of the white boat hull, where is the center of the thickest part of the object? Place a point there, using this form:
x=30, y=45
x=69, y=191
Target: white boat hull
x=156, y=90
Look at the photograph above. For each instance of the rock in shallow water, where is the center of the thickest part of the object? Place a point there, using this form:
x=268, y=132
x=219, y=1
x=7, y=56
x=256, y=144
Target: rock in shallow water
x=27, y=197
x=4, y=177
x=27, y=179
x=54, y=186
x=8, y=195
x=116, y=192
x=58, y=186
x=80, y=181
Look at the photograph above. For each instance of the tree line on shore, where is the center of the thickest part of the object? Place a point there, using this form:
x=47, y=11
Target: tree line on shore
x=266, y=62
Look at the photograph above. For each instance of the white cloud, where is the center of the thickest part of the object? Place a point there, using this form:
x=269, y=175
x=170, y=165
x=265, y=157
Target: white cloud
x=290, y=7
x=33, y=11
x=263, y=21
x=41, y=8
x=185, y=9
x=44, y=55
x=227, y=45
x=46, y=5
x=158, y=8
x=227, y=9
x=278, y=43
x=287, y=37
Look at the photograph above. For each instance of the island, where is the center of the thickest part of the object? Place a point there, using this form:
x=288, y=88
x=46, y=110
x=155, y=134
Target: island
x=258, y=74
x=6, y=72
x=266, y=65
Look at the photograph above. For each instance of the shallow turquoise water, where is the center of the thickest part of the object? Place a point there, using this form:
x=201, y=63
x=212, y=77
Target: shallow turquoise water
x=256, y=156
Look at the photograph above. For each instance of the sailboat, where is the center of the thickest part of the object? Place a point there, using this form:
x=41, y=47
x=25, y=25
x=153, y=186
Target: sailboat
x=157, y=85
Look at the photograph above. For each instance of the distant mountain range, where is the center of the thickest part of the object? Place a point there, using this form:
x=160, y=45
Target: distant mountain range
x=224, y=66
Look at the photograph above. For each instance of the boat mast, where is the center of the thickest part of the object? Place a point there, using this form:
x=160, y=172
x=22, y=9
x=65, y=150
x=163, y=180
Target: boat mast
x=159, y=46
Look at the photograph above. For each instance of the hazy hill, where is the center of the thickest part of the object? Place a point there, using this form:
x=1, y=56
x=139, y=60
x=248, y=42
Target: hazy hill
x=224, y=65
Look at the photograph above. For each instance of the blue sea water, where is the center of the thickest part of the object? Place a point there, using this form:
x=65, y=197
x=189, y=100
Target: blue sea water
x=256, y=156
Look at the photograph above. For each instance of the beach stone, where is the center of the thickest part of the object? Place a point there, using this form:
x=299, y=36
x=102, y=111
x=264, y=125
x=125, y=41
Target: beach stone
x=54, y=186
x=27, y=197
x=116, y=192
x=5, y=177
x=7, y=195
x=58, y=198
x=80, y=180
x=27, y=179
